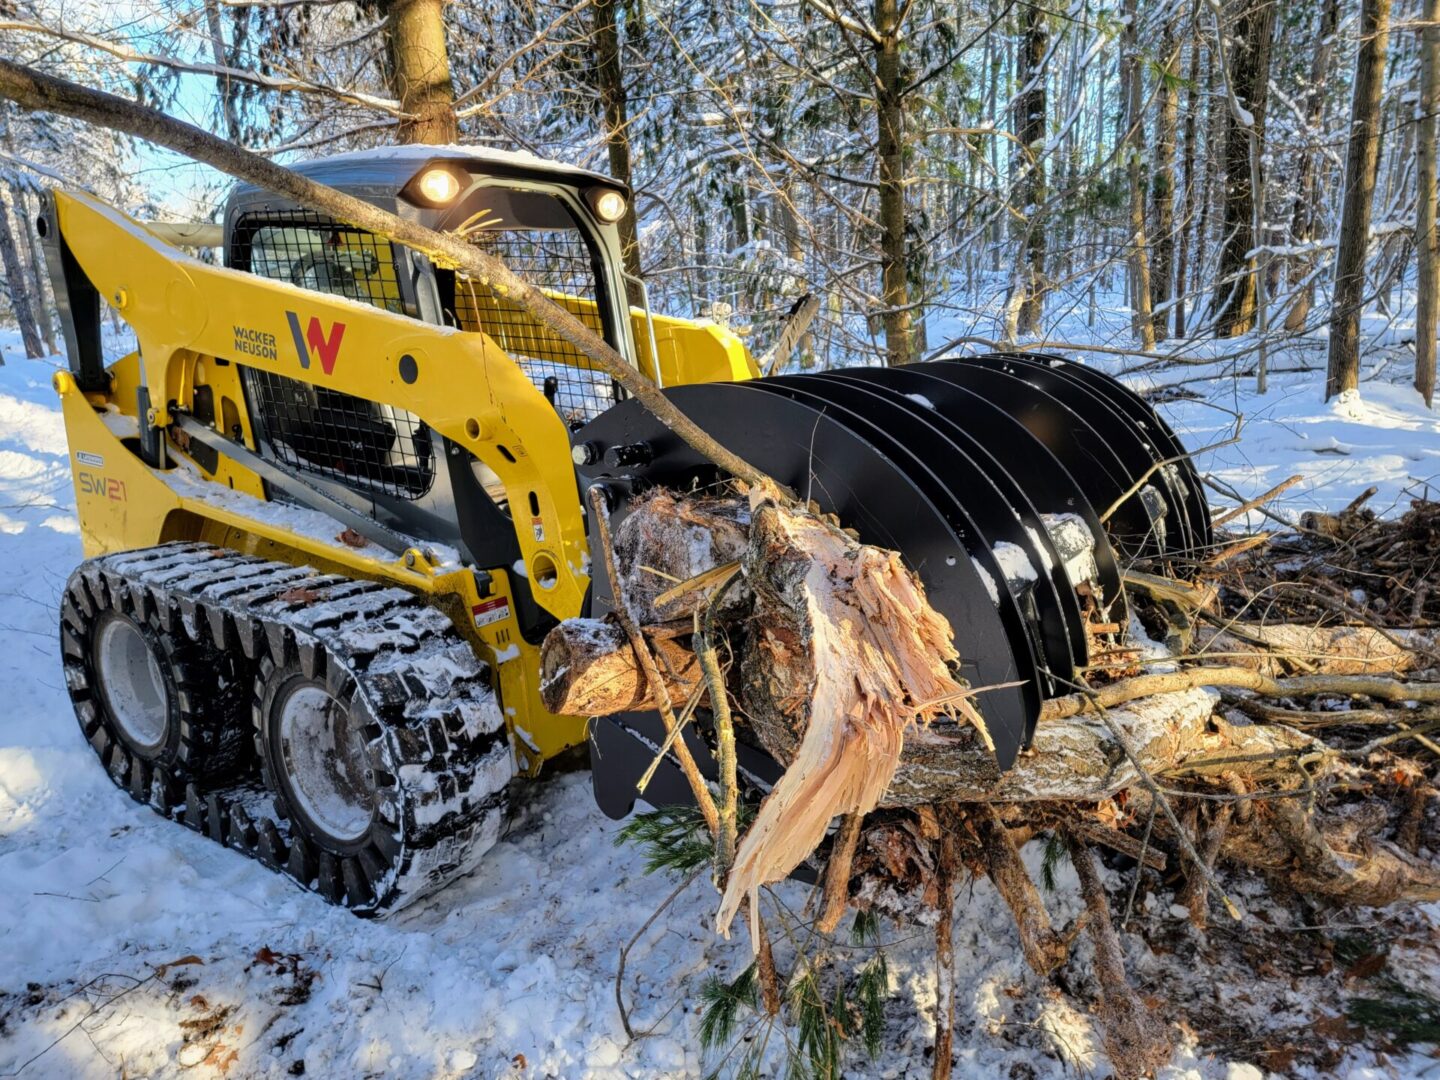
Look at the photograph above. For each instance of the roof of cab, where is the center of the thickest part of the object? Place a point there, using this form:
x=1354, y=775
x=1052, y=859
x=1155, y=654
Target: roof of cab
x=391, y=167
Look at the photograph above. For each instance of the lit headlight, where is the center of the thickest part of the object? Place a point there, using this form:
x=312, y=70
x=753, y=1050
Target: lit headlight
x=439, y=186
x=609, y=206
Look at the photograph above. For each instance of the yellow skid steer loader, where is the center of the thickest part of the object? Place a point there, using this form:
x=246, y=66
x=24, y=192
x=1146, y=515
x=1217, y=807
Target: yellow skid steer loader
x=332, y=504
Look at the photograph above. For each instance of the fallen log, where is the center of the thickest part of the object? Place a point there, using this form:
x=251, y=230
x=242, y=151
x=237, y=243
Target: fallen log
x=587, y=668
x=1279, y=649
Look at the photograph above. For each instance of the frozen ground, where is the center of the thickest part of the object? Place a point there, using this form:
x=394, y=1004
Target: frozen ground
x=131, y=947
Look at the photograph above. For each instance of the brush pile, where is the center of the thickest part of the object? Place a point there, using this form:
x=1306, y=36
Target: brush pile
x=1273, y=715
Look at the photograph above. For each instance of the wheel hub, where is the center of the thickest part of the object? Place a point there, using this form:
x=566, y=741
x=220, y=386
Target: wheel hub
x=132, y=684
x=324, y=758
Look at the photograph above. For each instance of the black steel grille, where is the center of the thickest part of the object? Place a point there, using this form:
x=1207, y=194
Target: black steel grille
x=314, y=252
x=366, y=445
x=559, y=262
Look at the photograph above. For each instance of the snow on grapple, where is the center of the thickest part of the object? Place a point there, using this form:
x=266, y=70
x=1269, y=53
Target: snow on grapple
x=326, y=533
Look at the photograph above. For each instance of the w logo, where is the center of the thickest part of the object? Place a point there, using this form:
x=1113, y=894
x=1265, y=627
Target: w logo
x=315, y=342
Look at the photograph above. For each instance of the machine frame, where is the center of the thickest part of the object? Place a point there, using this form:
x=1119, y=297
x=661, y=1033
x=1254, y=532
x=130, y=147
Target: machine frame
x=146, y=474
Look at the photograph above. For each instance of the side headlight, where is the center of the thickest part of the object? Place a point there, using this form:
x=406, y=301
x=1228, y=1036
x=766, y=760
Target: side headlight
x=609, y=206
x=439, y=186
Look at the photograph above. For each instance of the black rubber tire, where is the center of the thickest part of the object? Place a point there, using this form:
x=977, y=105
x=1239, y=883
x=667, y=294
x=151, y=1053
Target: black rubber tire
x=205, y=736
x=273, y=685
x=439, y=755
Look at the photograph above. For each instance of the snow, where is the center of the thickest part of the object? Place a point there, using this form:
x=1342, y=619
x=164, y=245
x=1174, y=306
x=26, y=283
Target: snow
x=1076, y=545
x=1014, y=563
x=1383, y=436
x=988, y=581
x=134, y=947
x=483, y=155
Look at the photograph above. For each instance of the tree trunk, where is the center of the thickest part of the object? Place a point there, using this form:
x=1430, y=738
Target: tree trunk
x=1307, y=198
x=43, y=305
x=1143, y=322
x=1361, y=158
x=1427, y=308
x=17, y=278
x=1234, y=299
x=1030, y=115
x=1187, y=184
x=420, y=71
x=890, y=117
x=1214, y=136
x=610, y=77
x=1162, y=181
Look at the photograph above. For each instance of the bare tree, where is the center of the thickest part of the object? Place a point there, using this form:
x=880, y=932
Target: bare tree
x=1030, y=114
x=1144, y=322
x=1427, y=308
x=890, y=114
x=1162, y=178
x=1308, y=194
x=1187, y=182
x=1248, y=81
x=610, y=80
x=1362, y=153
x=17, y=278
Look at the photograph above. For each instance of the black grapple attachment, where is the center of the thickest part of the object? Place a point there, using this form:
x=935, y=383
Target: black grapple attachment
x=1018, y=486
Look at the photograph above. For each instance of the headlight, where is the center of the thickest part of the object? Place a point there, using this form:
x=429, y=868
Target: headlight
x=438, y=186
x=609, y=206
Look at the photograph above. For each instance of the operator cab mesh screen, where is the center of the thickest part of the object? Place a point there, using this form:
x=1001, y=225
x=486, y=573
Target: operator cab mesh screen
x=368, y=446
x=536, y=236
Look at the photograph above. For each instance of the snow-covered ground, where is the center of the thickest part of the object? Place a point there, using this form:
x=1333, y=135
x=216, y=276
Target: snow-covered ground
x=129, y=946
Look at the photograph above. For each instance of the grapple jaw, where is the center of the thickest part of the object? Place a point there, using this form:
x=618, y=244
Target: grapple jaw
x=1016, y=485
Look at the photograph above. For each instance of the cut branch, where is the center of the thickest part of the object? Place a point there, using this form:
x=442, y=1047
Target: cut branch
x=249, y=77
x=587, y=668
x=1141, y=686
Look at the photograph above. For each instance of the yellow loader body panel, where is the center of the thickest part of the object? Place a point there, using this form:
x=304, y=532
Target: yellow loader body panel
x=197, y=324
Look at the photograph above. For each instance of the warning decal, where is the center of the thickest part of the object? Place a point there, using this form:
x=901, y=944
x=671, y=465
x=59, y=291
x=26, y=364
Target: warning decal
x=489, y=611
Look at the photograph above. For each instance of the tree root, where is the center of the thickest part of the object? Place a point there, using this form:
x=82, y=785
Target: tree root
x=1136, y=1042
x=1197, y=885
x=1331, y=856
x=837, y=872
x=947, y=863
x=1044, y=949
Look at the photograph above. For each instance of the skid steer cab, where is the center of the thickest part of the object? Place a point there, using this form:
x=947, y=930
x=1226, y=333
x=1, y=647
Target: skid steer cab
x=332, y=504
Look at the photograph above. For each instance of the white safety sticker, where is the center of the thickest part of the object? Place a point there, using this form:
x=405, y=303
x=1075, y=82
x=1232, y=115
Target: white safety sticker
x=87, y=458
x=490, y=611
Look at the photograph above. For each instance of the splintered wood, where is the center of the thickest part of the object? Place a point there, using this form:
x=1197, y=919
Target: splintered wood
x=848, y=629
